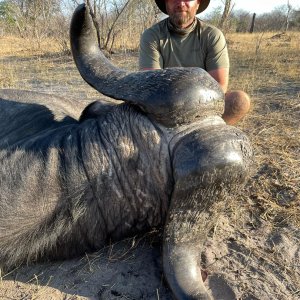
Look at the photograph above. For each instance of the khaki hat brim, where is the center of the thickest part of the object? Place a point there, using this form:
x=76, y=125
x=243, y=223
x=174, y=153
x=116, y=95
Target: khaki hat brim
x=162, y=6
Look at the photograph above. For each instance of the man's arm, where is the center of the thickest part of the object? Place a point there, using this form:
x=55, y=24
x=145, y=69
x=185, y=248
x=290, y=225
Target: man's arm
x=149, y=55
x=221, y=76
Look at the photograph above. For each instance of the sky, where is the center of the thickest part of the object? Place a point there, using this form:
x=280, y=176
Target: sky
x=254, y=6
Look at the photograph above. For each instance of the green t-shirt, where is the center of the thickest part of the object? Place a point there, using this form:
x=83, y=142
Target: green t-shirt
x=205, y=47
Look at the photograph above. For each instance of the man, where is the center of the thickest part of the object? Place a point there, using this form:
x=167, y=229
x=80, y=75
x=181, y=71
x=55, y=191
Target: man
x=182, y=40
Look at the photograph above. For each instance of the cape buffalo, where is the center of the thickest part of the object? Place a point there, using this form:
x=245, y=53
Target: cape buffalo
x=164, y=157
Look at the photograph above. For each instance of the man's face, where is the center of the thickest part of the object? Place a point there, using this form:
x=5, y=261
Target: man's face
x=182, y=12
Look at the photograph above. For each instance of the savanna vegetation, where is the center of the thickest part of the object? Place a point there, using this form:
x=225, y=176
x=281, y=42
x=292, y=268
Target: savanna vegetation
x=120, y=22
x=34, y=54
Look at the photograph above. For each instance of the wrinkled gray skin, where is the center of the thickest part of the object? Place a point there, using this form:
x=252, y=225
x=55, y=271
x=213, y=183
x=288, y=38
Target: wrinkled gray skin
x=164, y=157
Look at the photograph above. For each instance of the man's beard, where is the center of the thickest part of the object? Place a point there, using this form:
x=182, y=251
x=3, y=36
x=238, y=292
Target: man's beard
x=178, y=19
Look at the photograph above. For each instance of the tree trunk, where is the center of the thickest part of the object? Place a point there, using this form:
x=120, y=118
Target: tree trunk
x=95, y=22
x=287, y=16
x=227, y=9
x=111, y=29
x=252, y=23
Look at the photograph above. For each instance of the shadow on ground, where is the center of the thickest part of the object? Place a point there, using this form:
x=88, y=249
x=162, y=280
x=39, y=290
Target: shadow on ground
x=131, y=269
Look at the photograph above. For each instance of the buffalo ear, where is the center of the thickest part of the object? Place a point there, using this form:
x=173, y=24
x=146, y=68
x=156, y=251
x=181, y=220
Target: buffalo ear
x=95, y=110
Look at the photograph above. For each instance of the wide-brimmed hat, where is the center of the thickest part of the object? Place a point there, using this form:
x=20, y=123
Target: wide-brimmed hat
x=162, y=6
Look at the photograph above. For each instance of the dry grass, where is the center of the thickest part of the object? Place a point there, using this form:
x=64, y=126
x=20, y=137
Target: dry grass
x=44, y=69
x=263, y=60
x=267, y=66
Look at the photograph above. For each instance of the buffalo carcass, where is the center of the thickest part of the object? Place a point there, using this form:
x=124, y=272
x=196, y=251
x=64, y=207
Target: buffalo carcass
x=163, y=157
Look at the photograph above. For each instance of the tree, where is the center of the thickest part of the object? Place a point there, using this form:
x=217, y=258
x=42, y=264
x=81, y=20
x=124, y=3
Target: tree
x=228, y=6
x=32, y=18
x=289, y=8
x=214, y=16
x=105, y=15
x=273, y=21
x=242, y=20
x=125, y=19
x=295, y=20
